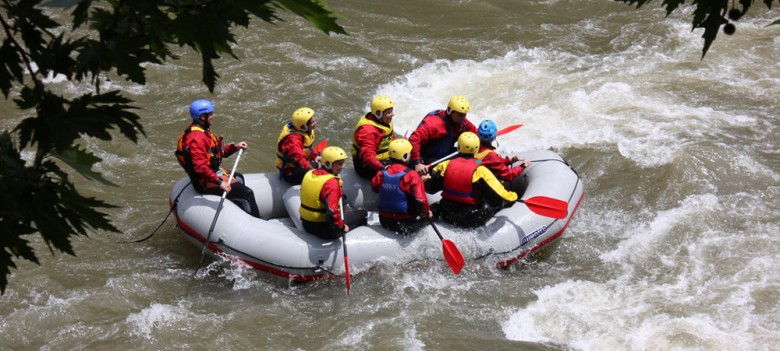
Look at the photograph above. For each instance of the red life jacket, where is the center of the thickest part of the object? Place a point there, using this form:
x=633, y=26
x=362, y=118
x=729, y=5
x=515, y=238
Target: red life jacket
x=185, y=158
x=457, y=185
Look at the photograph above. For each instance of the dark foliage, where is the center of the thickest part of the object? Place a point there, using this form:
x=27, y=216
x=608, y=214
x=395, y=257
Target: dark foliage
x=122, y=35
x=710, y=15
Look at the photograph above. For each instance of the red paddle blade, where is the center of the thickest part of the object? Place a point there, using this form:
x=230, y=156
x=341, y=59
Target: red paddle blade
x=509, y=129
x=319, y=147
x=547, y=206
x=453, y=256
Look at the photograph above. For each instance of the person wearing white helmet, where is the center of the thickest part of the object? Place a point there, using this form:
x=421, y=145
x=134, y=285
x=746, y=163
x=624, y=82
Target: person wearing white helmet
x=200, y=153
x=435, y=136
x=322, y=196
x=402, y=200
x=294, y=153
x=372, y=135
x=471, y=194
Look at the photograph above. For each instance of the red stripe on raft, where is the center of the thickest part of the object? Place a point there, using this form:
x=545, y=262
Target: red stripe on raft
x=268, y=269
x=525, y=253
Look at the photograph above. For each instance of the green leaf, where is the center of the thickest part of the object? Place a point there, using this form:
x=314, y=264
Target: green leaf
x=746, y=4
x=15, y=214
x=672, y=5
x=62, y=3
x=316, y=12
x=81, y=12
x=121, y=37
x=82, y=161
x=10, y=69
x=12, y=246
x=711, y=28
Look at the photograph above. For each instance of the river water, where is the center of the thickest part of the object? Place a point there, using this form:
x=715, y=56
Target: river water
x=675, y=246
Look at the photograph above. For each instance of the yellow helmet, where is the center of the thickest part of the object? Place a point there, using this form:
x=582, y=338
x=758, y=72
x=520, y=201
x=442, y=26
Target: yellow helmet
x=468, y=143
x=332, y=154
x=301, y=117
x=459, y=104
x=381, y=103
x=400, y=149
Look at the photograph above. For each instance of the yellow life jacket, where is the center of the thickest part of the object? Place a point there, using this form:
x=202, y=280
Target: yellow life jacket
x=381, y=151
x=312, y=208
x=283, y=160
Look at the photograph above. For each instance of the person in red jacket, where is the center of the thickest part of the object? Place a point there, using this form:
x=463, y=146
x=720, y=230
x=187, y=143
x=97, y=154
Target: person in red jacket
x=402, y=199
x=471, y=194
x=491, y=159
x=200, y=153
x=322, y=199
x=294, y=154
x=372, y=135
x=435, y=137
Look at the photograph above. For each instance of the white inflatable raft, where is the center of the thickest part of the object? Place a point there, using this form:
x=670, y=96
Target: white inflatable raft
x=276, y=245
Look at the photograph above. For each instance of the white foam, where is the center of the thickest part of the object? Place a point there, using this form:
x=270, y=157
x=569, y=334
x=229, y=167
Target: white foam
x=642, y=241
x=159, y=316
x=241, y=274
x=616, y=316
x=565, y=100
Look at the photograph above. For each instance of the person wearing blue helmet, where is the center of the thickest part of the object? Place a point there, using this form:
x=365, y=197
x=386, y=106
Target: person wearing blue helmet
x=500, y=166
x=200, y=153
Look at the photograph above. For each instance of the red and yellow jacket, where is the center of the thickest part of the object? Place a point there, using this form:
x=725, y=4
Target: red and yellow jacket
x=370, y=141
x=461, y=174
x=320, y=195
x=499, y=165
x=294, y=149
x=200, y=153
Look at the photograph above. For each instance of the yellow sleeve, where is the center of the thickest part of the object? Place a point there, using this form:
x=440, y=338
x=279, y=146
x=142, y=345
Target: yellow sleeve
x=441, y=167
x=483, y=173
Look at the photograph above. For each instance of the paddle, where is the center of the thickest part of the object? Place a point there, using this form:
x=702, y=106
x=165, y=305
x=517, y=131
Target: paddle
x=509, y=129
x=500, y=133
x=318, y=148
x=219, y=209
x=547, y=206
x=451, y=253
x=344, y=245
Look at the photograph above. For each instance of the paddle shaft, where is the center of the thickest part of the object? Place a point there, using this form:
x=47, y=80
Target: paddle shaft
x=435, y=229
x=451, y=252
x=500, y=133
x=219, y=209
x=344, y=246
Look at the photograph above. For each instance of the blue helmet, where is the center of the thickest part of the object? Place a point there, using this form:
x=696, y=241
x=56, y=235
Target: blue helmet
x=487, y=131
x=199, y=107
